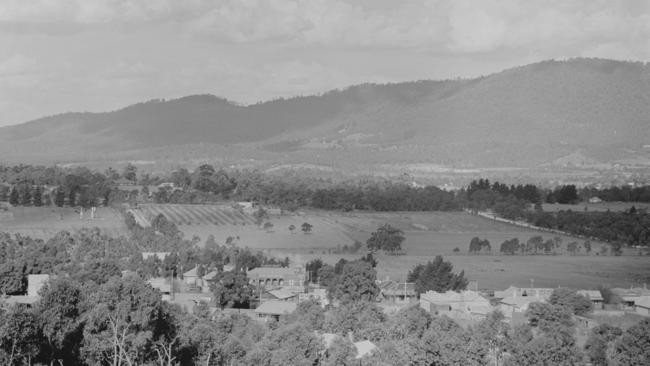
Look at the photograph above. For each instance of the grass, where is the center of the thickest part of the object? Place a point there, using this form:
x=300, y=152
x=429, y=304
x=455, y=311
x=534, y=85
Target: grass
x=427, y=235
x=45, y=222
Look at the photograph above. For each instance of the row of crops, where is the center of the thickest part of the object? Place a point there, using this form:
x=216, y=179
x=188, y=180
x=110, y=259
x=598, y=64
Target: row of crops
x=198, y=214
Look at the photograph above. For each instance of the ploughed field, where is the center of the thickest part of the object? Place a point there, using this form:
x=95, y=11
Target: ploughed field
x=45, y=222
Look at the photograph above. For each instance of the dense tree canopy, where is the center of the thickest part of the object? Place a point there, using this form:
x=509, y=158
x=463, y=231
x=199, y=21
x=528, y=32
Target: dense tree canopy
x=437, y=275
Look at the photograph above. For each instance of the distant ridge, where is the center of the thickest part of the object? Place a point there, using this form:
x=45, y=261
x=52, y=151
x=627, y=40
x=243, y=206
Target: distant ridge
x=525, y=116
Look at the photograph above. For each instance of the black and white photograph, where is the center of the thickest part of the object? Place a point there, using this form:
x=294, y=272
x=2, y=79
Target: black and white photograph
x=324, y=182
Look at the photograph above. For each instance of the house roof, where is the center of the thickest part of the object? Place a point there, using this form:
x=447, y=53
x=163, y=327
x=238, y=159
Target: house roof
x=275, y=307
x=392, y=288
x=161, y=284
x=191, y=273
x=364, y=348
x=271, y=272
x=282, y=293
x=520, y=301
x=643, y=301
x=452, y=296
x=28, y=300
x=211, y=275
x=593, y=295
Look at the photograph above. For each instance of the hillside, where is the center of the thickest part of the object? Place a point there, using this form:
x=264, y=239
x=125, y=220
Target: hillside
x=523, y=117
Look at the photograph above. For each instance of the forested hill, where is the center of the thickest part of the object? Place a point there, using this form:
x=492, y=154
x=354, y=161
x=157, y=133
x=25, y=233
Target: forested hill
x=596, y=109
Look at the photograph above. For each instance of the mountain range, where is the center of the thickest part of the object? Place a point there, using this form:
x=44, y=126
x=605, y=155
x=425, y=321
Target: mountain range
x=574, y=112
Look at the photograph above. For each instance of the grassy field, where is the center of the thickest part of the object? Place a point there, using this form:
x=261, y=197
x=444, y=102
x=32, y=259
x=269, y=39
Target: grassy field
x=427, y=235
x=44, y=222
x=431, y=234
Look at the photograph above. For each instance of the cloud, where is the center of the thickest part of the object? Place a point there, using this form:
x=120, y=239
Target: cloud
x=443, y=26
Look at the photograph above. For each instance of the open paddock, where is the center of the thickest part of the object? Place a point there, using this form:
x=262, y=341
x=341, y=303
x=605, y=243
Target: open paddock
x=45, y=222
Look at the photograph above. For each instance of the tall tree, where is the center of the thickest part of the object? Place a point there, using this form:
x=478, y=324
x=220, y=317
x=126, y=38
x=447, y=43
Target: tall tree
x=437, y=275
x=632, y=347
x=386, y=238
x=14, y=197
x=357, y=282
x=231, y=289
x=38, y=196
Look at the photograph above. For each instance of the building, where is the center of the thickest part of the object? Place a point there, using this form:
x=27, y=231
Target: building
x=594, y=296
x=277, y=276
x=35, y=283
x=513, y=291
x=642, y=305
x=164, y=285
x=512, y=305
x=401, y=293
x=464, y=304
x=274, y=310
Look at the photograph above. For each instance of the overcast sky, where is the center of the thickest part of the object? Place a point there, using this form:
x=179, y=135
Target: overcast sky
x=99, y=55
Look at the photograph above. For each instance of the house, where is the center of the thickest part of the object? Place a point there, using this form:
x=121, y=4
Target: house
x=517, y=304
x=277, y=276
x=642, y=305
x=594, y=296
x=398, y=292
x=274, y=310
x=513, y=291
x=630, y=296
x=192, y=278
x=35, y=283
x=164, y=285
x=465, y=304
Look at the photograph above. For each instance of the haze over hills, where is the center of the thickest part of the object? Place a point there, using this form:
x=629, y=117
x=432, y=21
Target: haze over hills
x=582, y=111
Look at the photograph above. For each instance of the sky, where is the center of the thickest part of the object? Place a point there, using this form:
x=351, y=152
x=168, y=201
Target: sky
x=99, y=55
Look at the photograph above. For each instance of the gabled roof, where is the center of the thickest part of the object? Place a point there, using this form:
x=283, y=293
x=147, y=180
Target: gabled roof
x=211, y=275
x=282, y=293
x=191, y=273
x=520, y=301
x=392, y=288
x=593, y=295
x=452, y=296
x=26, y=300
x=271, y=272
x=275, y=307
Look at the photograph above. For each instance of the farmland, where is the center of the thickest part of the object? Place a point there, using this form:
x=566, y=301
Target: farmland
x=44, y=222
x=427, y=235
